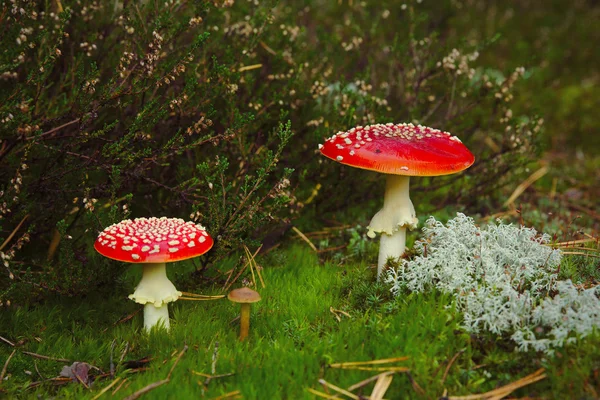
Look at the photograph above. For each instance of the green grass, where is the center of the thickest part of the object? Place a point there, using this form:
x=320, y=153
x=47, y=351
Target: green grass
x=293, y=338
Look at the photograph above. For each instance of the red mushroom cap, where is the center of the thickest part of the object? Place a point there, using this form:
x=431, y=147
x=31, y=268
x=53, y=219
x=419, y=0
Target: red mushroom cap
x=153, y=240
x=400, y=149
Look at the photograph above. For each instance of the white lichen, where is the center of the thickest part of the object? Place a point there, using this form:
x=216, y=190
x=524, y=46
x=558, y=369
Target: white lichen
x=502, y=278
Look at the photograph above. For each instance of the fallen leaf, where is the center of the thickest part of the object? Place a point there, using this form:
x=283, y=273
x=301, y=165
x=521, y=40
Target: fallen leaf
x=78, y=372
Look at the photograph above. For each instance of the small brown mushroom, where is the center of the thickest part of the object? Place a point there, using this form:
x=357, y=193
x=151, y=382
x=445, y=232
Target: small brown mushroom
x=245, y=296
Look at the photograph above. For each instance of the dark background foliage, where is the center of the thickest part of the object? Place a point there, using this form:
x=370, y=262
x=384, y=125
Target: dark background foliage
x=213, y=111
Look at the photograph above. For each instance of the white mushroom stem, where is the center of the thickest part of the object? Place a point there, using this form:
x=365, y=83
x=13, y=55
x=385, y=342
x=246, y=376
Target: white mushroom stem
x=390, y=246
x=397, y=214
x=155, y=290
x=156, y=316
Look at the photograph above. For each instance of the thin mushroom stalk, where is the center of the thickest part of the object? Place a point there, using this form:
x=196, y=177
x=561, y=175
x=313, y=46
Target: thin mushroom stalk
x=244, y=321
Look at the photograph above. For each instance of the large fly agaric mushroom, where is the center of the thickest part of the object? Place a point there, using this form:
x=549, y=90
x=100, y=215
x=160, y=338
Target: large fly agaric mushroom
x=154, y=242
x=399, y=151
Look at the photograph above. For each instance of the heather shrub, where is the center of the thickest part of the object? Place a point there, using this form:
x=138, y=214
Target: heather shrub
x=504, y=280
x=203, y=109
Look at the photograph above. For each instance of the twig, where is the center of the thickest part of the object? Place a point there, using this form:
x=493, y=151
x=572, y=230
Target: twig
x=8, y=342
x=181, y=353
x=235, y=393
x=13, y=233
x=381, y=386
x=337, y=312
x=80, y=379
x=369, y=380
x=200, y=298
x=107, y=388
x=450, y=365
x=4, y=369
x=580, y=254
x=42, y=357
x=203, y=296
x=525, y=184
x=306, y=239
x=119, y=387
x=249, y=67
x=372, y=362
x=58, y=381
x=321, y=394
x=267, y=48
x=382, y=369
x=226, y=287
x=51, y=131
x=338, y=389
x=592, y=249
x=504, y=390
x=202, y=374
x=146, y=389
x=124, y=352
x=254, y=266
x=571, y=243
x=38, y=370
x=125, y=318
x=414, y=384
x=229, y=273
x=154, y=385
x=215, y=357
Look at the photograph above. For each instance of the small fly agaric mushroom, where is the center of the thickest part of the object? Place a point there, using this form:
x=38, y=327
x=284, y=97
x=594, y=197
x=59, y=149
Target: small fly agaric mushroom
x=399, y=151
x=154, y=242
x=245, y=296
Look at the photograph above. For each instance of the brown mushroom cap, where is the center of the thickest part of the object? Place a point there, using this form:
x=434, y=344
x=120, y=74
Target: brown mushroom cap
x=243, y=295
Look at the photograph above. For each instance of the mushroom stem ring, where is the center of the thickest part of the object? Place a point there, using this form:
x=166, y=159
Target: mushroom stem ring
x=155, y=290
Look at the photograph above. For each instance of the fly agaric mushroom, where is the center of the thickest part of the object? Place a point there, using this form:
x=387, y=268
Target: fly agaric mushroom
x=245, y=296
x=154, y=242
x=399, y=151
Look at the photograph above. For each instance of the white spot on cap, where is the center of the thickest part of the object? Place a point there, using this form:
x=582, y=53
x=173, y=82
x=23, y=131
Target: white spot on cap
x=126, y=248
x=173, y=242
x=135, y=256
x=201, y=239
x=339, y=158
x=145, y=248
x=192, y=243
x=404, y=168
x=173, y=249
